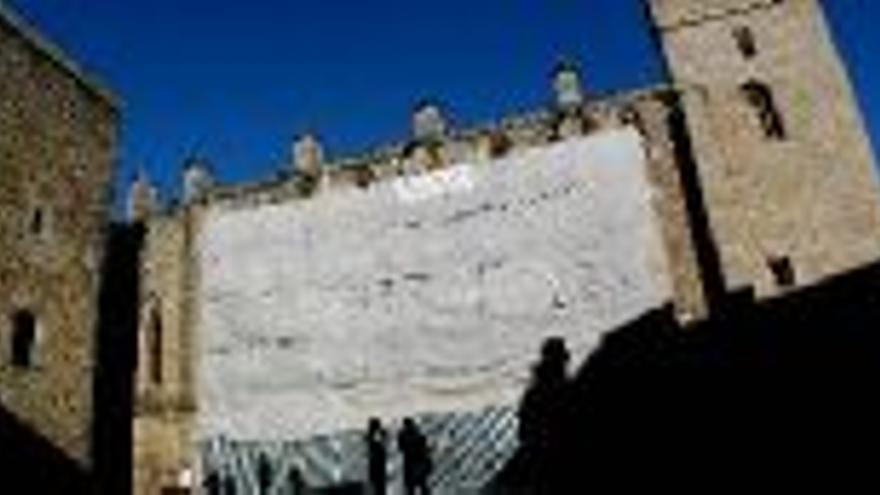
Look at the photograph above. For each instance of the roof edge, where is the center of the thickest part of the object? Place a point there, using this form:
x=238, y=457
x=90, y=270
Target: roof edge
x=282, y=184
x=54, y=52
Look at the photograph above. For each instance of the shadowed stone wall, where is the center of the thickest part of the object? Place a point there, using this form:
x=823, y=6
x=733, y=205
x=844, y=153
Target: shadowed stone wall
x=57, y=148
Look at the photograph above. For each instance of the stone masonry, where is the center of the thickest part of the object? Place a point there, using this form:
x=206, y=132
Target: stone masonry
x=806, y=197
x=164, y=396
x=57, y=150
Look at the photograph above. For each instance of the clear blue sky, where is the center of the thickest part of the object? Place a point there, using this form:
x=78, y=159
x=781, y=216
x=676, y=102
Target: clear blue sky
x=235, y=80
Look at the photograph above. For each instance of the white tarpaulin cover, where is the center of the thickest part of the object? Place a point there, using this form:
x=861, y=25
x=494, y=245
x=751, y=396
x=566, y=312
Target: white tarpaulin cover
x=430, y=293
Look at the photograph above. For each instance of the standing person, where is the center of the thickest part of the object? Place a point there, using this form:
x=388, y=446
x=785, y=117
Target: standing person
x=544, y=422
x=295, y=482
x=417, y=463
x=264, y=474
x=377, y=439
x=211, y=484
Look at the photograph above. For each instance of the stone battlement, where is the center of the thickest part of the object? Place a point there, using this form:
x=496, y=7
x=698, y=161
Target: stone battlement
x=419, y=155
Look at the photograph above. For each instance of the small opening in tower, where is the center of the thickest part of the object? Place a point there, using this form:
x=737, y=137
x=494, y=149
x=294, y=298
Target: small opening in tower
x=783, y=271
x=745, y=40
x=24, y=335
x=760, y=97
x=154, y=347
x=37, y=221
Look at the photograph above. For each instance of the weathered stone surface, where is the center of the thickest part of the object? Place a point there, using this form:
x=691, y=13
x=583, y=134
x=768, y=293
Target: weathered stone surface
x=675, y=13
x=652, y=113
x=810, y=196
x=164, y=400
x=57, y=145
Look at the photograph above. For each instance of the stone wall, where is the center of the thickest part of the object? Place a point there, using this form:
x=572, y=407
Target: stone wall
x=57, y=149
x=665, y=168
x=164, y=398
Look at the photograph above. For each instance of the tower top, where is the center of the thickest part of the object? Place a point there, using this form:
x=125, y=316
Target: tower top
x=9, y=17
x=672, y=14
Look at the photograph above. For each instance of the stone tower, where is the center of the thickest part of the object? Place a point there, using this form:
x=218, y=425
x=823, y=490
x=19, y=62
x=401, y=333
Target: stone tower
x=57, y=150
x=787, y=175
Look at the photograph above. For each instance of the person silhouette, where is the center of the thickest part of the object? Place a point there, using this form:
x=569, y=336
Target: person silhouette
x=264, y=474
x=377, y=455
x=543, y=418
x=295, y=483
x=417, y=464
x=212, y=484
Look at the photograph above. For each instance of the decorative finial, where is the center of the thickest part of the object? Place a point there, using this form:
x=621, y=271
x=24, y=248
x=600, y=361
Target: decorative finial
x=308, y=155
x=197, y=179
x=567, y=88
x=428, y=122
x=142, y=196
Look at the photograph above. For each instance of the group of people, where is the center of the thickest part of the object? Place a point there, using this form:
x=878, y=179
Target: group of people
x=544, y=421
x=413, y=446
x=411, y=442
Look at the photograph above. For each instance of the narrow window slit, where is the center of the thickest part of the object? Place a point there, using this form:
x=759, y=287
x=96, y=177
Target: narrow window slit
x=760, y=97
x=24, y=335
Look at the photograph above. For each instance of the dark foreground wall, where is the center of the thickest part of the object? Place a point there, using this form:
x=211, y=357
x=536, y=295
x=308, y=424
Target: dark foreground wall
x=781, y=392
x=31, y=464
x=116, y=361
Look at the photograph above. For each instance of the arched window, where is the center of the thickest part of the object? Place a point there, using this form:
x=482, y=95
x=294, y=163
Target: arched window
x=760, y=97
x=154, y=347
x=745, y=41
x=36, y=226
x=783, y=271
x=24, y=336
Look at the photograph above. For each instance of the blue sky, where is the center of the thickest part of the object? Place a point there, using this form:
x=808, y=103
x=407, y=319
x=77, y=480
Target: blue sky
x=234, y=81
